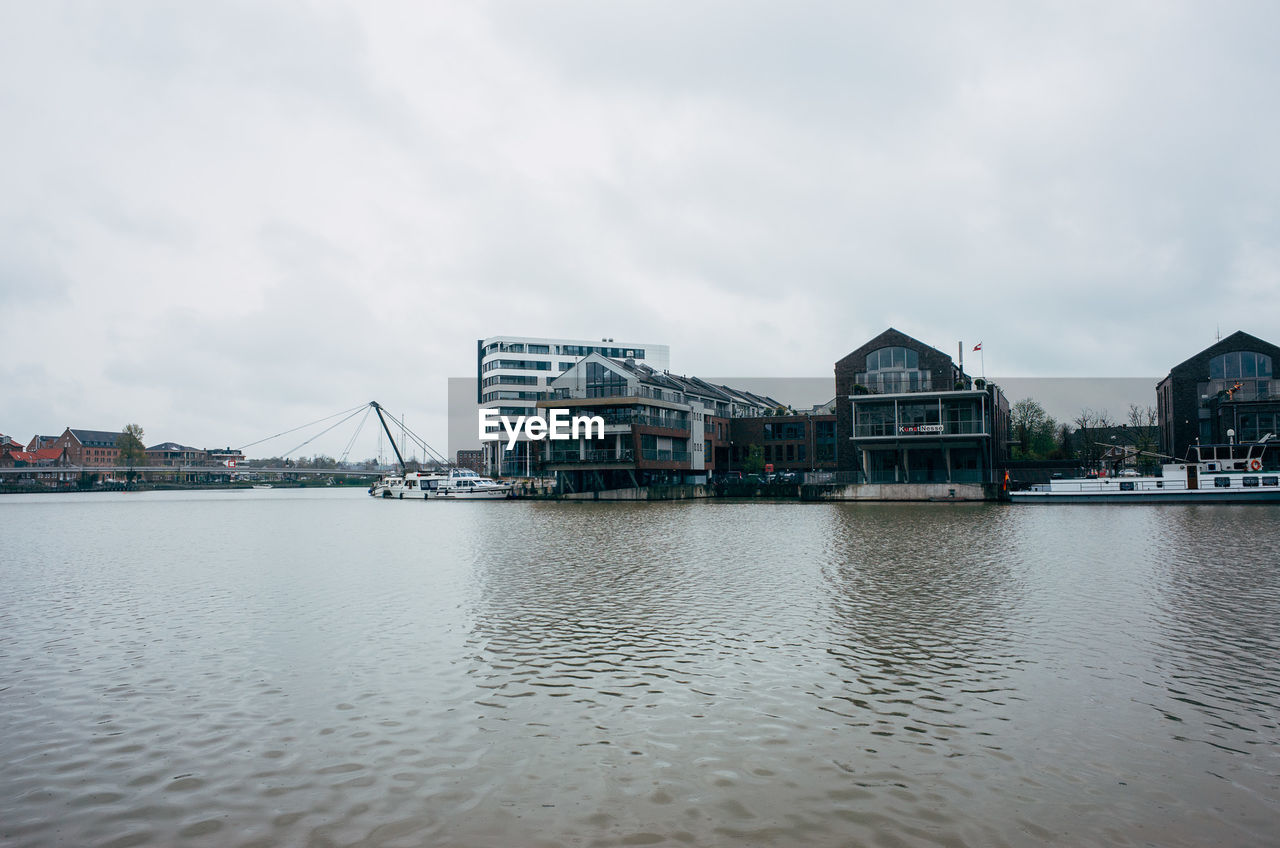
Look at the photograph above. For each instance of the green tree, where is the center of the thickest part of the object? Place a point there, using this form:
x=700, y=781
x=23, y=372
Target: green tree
x=754, y=463
x=132, y=451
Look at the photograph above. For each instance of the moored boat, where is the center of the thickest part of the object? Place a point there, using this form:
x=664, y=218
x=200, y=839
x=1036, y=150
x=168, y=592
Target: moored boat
x=453, y=484
x=1232, y=473
x=464, y=484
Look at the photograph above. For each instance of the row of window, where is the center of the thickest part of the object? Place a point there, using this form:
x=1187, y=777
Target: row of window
x=1239, y=389
x=1240, y=363
x=517, y=364
x=895, y=382
x=611, y=352
x=516, y=347
x=787, y=430
x=487, y=397
x=892, y=358
x=1249, y=482
x=792, y=453
x=918, y=419
x=508, y=380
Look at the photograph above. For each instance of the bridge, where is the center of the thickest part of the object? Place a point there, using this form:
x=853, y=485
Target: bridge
x=73, y=471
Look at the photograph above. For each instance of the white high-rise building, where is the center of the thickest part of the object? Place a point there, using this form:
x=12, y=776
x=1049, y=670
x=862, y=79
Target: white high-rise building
x=513, y=373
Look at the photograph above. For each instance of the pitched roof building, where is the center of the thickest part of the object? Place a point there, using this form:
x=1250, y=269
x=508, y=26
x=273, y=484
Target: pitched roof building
x=1228, y=390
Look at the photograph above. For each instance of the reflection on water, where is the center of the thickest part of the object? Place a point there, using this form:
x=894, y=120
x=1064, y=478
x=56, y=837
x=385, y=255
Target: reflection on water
x=319, y=668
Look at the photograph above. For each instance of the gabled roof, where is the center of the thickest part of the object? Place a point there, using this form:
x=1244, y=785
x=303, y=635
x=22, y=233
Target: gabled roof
x=1238, y=340
x=172, y=446
x=95, y=438
x=675, y=382
x=894, y=338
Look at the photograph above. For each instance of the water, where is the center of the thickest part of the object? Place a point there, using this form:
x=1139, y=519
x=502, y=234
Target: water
x=292, y=667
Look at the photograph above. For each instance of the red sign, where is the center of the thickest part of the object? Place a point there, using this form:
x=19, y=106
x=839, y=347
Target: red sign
x=768, y=468
x=231, y=463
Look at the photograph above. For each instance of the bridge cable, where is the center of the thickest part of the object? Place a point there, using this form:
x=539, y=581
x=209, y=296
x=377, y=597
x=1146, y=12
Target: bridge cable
x=353, y=414
x=304, y=426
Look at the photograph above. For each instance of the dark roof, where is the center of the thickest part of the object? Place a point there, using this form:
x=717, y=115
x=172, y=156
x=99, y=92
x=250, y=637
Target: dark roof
x=171, y=446
x=96, y=438
x=1239, y=340
x=895, y=338
x=688, y=385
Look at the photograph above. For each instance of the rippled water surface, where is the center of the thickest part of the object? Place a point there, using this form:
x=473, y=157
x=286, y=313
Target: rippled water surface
x=293, y=667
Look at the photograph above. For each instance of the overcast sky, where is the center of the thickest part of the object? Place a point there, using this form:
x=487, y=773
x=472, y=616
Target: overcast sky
x=222, y=220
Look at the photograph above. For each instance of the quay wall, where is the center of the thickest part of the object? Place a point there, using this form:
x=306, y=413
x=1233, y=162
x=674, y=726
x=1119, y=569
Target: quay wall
x=644, y=493
x=900, y=492
x=814, y=492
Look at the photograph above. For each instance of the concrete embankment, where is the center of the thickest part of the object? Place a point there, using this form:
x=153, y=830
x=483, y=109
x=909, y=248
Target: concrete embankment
x=936, y=492
x=644, y=493
x=900, y=492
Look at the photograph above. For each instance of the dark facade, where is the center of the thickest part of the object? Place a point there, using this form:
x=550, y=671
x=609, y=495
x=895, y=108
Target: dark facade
x=803, y=442
x=659, y=428
x=1228, y=386
x=906, y=413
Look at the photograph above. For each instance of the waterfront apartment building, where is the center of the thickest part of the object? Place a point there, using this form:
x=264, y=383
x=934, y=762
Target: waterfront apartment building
x=515, y=372
x=1226, y=391
x=906, y=413
x=660, y=428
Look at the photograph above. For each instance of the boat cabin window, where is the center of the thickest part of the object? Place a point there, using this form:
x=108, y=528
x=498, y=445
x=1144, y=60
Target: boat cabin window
x=1251, y=482
x=1126, y=486
x=1270, y=481
x=1222, y=482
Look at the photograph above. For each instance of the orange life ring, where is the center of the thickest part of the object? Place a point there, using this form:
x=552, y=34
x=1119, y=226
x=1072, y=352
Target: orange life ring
x=1256, y=465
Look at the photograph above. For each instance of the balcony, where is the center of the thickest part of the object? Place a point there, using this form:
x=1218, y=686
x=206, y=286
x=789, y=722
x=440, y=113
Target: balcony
x=911, y=431
x=595, y=457
x=652, y=455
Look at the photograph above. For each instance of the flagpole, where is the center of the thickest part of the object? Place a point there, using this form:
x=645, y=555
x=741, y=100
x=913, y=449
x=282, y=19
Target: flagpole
x=982, y=352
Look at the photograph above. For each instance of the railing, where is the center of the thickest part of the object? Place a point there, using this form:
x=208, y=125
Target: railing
x=665, y=455
x=595, y=456
x=613, y=419
x=952, y=428
x=662, y=421
x=1116, y=484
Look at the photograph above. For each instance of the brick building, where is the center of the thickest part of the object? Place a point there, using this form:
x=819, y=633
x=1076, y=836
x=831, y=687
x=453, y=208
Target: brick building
x=88, y=447
x=472, y=459
x=1227, y=390
x=802, y=442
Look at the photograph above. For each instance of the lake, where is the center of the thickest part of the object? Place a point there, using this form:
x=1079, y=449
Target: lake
x=314, y=667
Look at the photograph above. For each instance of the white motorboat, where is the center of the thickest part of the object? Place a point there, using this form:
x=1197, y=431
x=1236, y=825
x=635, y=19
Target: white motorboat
x=1233, y=473
x=382, y=488
x=465, y=484
x=455, y=484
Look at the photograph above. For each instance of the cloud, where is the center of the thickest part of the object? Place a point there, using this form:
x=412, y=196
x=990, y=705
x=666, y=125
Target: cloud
x=235, y=218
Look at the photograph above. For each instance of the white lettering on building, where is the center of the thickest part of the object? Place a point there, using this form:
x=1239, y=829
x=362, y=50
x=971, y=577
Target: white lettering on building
x=536, y=428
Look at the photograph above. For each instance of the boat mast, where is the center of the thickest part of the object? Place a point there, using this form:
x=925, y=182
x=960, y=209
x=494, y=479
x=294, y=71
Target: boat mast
x=378, y=409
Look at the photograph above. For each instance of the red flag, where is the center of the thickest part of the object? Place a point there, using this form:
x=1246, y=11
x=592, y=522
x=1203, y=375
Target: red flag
x=978, y=346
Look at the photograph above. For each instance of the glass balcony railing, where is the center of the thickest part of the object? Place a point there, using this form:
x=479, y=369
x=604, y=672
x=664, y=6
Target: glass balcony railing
x=593, y=456
x=665, y=455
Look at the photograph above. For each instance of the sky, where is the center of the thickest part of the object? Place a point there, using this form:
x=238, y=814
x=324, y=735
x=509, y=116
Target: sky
x=221, y=221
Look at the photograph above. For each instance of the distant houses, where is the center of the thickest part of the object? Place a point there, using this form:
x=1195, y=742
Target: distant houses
x=59, y=461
